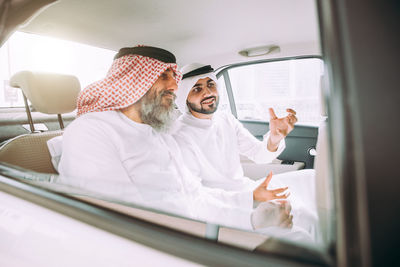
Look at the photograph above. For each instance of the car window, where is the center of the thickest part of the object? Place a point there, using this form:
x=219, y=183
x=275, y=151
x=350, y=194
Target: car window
x=103, y=203
x=281, y=84
x=36, y=53
x=33, y=52
x=224, y=105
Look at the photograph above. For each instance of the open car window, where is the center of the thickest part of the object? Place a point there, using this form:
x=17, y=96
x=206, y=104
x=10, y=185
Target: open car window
x=280, y=84
x=245, y=83
x=246, y=91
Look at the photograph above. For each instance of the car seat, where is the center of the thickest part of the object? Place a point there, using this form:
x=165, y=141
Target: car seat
x=48, y=93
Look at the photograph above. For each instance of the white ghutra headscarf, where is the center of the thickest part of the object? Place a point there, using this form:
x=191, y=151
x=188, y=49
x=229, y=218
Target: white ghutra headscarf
x=191, y=74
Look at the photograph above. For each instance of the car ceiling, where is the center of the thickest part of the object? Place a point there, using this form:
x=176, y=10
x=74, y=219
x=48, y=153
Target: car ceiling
x=211, y=31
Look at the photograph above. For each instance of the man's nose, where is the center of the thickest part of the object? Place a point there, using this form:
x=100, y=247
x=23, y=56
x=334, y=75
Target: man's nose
x=207, y=91
x=172, y=85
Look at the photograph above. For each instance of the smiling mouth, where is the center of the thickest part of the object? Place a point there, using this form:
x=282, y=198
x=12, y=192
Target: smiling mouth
x=208, y=101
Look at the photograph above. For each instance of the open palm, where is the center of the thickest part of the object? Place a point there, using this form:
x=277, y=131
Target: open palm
x=281, y=127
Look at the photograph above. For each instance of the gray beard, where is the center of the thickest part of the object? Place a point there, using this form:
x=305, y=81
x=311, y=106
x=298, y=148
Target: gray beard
x=154, y=113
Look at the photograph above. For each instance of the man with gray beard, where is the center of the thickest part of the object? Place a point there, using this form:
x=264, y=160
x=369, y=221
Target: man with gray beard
x=154, y=113
x=118, y=146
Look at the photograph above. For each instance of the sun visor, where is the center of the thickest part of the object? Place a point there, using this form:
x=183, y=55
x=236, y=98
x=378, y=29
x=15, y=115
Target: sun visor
x=13, y=13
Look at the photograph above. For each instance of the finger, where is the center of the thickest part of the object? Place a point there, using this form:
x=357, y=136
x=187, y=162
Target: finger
x=268, y=179
x=285, y=205
x=290, y=220
x=280, y=197
x=286, y=222
x=292, y=119
x=288, y=207
x=279, y=190
x=291, y=111
x=272, y=114
x=287, y=218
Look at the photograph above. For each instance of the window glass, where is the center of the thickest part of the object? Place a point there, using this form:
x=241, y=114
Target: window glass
x=280, y=85
x=25, y=51
x=224, y=105
x=159, y=181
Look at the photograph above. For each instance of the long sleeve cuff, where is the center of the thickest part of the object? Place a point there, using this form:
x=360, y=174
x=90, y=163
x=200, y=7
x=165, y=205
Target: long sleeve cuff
x=281, y=146
x=263, y=155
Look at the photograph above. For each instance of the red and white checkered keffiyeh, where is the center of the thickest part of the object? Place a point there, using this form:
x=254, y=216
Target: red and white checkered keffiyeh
x=128, y=79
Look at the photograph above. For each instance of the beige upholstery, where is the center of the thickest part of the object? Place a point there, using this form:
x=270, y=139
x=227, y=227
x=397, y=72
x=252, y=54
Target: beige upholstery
x=29, y=151
x=49, y=93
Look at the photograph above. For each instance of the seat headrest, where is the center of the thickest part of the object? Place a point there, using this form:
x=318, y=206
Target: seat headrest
x=49, y=93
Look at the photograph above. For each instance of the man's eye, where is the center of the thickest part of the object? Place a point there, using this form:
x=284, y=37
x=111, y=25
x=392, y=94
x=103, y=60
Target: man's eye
x=197, y=89
x=211, y=85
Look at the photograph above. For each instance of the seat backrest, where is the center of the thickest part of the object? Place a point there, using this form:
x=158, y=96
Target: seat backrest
x=29, y=151
x=49, y=93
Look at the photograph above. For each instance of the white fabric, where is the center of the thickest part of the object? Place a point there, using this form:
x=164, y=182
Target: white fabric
x=185, y=86
x=55, y=148
x=302, y=197
x=211, y=149
x=107, y=147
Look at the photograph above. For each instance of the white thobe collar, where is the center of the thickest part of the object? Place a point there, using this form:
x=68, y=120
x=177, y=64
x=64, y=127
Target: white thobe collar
x=188, y=118
x=142, y=127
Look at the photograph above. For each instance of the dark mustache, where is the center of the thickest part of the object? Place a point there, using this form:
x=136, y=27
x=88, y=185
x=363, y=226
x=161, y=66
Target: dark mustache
x=210, y=97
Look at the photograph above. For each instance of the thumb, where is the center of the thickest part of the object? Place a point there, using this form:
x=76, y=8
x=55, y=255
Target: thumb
x=272, y=114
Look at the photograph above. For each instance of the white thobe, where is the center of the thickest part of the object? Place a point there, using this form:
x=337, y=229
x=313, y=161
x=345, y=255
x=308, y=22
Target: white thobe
x=143, y=166
x=212, y=149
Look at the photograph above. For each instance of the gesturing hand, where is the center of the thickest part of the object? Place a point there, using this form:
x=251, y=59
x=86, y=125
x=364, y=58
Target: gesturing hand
x=280, y=127
x=261, y=193
x=272, y=214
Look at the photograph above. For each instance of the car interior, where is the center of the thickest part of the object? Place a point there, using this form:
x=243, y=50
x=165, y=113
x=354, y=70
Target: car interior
x=268, y=53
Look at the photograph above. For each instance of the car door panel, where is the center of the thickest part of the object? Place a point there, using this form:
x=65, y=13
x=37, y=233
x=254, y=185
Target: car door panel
x=298, y=142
